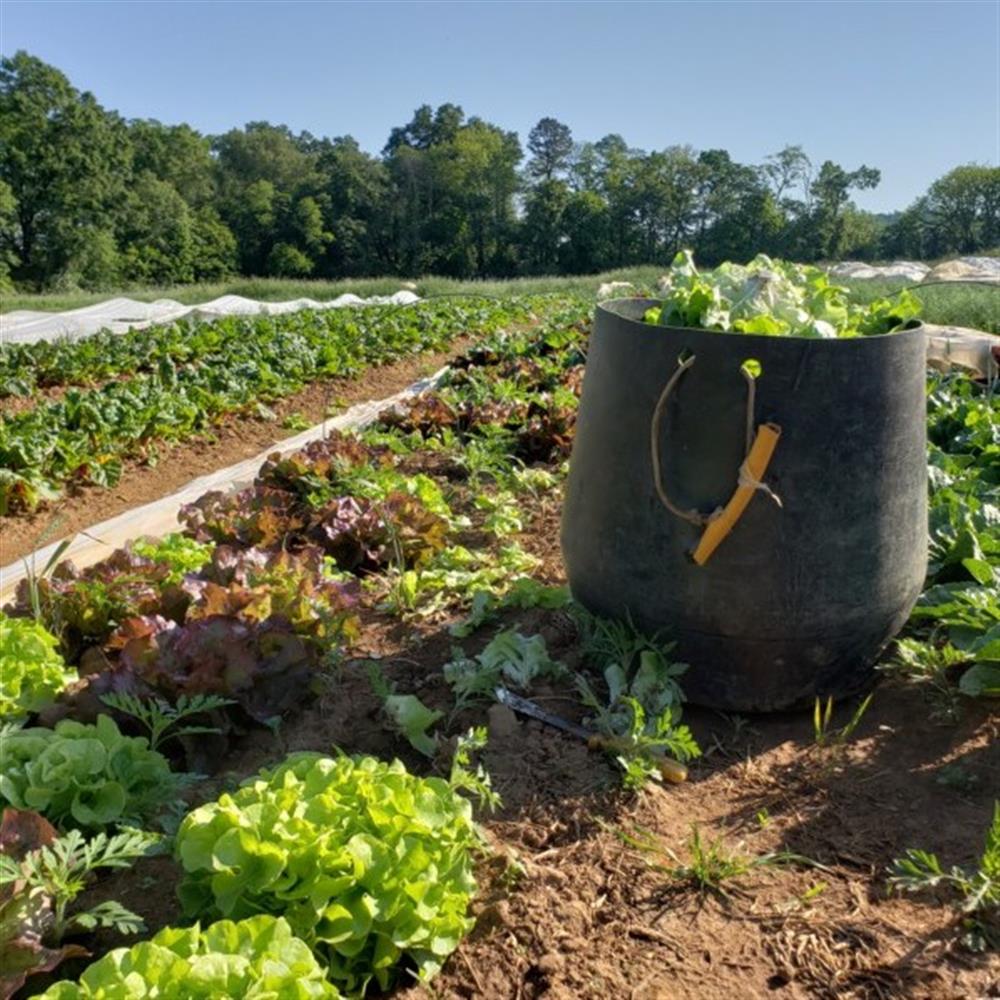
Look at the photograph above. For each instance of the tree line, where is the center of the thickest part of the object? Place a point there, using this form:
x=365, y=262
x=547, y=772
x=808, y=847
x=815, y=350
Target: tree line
x=91, y=200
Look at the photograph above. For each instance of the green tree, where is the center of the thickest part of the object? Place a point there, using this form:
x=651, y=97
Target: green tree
x=453, y=188
x=828, y=235
x=550, y=143
x=66, y=161
x=963, y=210
x=542, y=226
x=587, y=244
x=737, y=215
x=358, y=195
x=155, y=234
x=176, y=154
x=287, y=261
x=265, y=173
x=8, y=220
x=213, y=247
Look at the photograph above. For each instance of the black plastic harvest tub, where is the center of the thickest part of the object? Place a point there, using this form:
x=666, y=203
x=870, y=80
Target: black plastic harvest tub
x=798, y=600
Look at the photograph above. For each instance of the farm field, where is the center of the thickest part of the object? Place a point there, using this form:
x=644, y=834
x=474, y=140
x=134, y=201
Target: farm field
x=366, y=596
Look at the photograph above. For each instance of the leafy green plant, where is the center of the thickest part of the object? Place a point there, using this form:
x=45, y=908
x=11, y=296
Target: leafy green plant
x=255, y=957
x=34, y=671
x=954, y=630
x=369, y=865
x=642, y=708
x=462, y=778
x=456, y=575
x=262, y=666
x=162, y=720
x=85, y=776
x=41, y=875
x=645, y=743
x=933, y=665
x=509, y=658
x=295, y=422
x=61, y=870
x=774, y=298
x=409, y=716
x=319, y=603
x=977, y=889
x=524, y=592
x=182, y=555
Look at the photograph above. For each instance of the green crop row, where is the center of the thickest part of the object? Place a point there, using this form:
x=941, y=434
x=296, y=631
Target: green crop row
x=189, y=379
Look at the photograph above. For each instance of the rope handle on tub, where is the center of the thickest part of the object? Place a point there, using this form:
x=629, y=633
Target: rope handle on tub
x=760, y=448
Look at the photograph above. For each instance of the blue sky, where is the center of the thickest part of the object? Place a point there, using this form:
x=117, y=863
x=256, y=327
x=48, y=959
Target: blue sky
x=911, y=88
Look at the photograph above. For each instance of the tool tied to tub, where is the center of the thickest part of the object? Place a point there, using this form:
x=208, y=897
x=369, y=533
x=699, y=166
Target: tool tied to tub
x=760, y=445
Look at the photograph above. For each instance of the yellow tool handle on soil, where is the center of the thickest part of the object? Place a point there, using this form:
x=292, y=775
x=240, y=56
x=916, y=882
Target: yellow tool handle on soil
x=671, y=770
x=751, y=476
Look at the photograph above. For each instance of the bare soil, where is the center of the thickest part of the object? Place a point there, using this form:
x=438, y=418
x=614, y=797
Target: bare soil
x=236, y=437
x=569, y=909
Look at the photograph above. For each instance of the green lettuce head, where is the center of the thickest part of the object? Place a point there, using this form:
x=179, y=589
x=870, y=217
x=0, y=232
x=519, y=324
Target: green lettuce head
x=371, y=866
x=84, y=776
x=33, y=671
x=257, y=959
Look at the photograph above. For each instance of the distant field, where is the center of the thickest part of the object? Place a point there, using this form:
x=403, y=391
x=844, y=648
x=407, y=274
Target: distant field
x=278, y=289
x=962, y=305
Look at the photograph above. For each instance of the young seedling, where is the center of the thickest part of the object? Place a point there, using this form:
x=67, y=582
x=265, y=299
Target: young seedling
x=826, y=738
x=934, y=666
x=463, y=778
x=976, y=891
x=33, y=580
x=709, y=865
x=409, y=716
x=159, y=717
x=60, y=870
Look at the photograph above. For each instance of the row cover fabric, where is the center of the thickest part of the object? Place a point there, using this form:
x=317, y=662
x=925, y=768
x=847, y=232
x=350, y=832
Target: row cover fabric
x=963, y=268
x=121, y=314
x=159, y=517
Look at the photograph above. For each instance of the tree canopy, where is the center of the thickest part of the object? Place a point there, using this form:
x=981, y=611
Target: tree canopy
x=88, y=199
